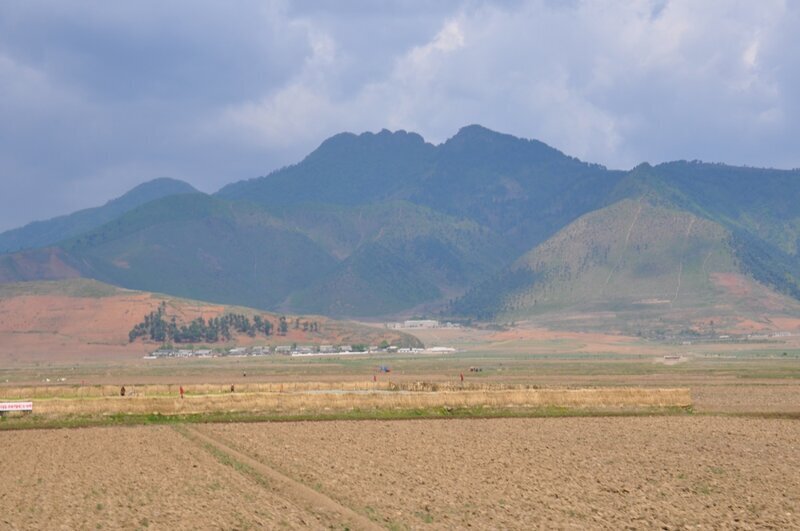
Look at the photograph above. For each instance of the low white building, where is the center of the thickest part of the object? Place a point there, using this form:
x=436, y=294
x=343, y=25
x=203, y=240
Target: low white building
x=420, y=323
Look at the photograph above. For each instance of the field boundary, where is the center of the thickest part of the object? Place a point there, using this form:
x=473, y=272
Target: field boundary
x=351, y=405
x=437, y=413
x=331, y=401
x=314, y=501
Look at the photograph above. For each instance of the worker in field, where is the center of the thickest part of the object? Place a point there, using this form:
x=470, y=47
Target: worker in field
x=462, y=377
x=181, y=391
x=122, y=391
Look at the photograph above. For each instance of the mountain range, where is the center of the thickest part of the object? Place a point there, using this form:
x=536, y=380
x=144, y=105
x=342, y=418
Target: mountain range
x=484, y=225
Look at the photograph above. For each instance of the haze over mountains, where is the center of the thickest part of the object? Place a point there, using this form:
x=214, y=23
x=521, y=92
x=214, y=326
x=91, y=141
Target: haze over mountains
x=484, y=225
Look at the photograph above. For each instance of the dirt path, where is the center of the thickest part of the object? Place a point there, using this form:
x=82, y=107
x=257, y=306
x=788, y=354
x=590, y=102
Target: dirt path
x=287, y=487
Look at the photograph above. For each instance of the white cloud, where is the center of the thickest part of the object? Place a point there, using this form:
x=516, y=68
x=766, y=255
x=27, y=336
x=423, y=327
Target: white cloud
x=216, y=94
x=607, y=81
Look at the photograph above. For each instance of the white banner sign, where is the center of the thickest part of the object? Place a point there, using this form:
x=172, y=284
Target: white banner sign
x=16, y=406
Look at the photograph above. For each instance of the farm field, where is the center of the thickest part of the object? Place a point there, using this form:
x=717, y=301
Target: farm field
x=642, y=472
x=569, y=430
x=741, y=378
x=131, y=478
x=526, y=473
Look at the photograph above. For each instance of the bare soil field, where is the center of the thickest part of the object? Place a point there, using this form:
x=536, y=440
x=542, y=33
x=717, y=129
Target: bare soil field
x=132, y=478
x=577, y=473
x=612, y=473
x=774, y=398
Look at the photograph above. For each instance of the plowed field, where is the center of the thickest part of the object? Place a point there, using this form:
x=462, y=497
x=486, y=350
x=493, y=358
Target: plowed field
x=532, y=473
x=130, y=478
x=641, y=472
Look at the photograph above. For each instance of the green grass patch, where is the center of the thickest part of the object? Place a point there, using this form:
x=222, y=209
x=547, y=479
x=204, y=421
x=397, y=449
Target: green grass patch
x=122, y=419
x=227, y=459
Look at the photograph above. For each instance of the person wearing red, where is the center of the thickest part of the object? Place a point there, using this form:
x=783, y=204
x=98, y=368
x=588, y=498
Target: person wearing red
x=181, y=390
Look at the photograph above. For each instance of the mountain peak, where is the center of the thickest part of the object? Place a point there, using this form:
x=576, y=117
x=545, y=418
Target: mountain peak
x=155, y=189
x=368, y=139
x=476, y=132
x=42, y=233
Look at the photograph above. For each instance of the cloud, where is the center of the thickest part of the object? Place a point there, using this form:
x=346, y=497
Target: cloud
x=98, y=97
x=611, y=82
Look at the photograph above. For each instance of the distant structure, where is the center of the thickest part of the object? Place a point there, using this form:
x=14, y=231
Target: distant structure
x=299, y=350
x=420, y=323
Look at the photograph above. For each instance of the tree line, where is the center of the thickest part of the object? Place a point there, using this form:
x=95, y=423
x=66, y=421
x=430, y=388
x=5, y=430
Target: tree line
x=158, y=326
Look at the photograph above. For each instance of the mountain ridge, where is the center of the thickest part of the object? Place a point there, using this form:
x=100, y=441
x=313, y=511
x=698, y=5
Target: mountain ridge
x=54, y=230
x=379, y=224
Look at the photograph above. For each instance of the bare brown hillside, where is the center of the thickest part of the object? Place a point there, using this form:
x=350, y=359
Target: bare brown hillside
x=81, y=319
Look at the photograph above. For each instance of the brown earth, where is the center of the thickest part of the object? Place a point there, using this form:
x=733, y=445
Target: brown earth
x=597, y=473
x=60, y=327
x=36, y=264
x=131, y=478
x=41, y=323
x=613, y=473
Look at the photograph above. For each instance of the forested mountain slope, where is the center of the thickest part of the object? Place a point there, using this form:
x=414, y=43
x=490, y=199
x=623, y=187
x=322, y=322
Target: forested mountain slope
x=483, y=225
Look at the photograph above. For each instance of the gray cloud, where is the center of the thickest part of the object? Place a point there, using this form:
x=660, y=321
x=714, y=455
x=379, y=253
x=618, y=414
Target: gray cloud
x=98, y=96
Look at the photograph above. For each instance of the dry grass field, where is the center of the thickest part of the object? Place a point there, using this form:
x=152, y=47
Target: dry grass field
x=322, y=399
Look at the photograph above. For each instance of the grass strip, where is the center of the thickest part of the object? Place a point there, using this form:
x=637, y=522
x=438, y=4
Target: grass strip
x=125, y=419
x=224, y=458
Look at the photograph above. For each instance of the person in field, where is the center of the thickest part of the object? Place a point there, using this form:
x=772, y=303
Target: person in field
x=122, y=391
x=181, y=391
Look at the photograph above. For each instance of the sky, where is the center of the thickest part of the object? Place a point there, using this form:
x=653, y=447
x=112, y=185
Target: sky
x=97, y=97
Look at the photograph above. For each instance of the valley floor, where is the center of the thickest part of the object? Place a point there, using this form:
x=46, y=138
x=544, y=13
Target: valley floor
x=730, y=462
x=612, y=473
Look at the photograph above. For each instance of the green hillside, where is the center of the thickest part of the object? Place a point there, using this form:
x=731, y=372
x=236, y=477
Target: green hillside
x=43, y=233
x=757, y=206
x=452, y=252
x=313, y=258
x=372, y=281
x=521, y=189
x=627, y=255
x=346, y=169
x=200, y=247
x=484, y=225
x=633, y=266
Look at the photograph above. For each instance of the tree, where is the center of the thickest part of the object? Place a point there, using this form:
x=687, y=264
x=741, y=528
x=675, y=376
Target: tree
x=157, y=326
